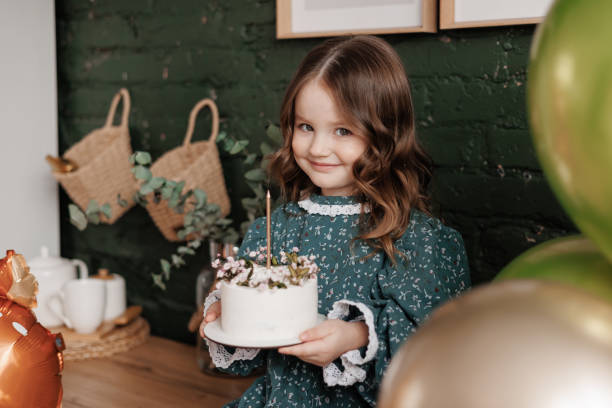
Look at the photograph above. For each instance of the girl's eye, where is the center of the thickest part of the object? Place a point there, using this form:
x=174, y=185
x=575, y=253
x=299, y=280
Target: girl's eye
x=343, y=132
x=305, y=127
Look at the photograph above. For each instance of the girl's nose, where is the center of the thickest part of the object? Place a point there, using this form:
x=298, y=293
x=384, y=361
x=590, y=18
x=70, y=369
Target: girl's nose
x=320, y=145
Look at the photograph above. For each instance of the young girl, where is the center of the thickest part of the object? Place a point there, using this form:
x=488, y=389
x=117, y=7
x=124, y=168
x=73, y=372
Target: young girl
x=353, y=177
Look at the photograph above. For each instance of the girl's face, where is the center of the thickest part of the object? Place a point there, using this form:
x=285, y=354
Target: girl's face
x=325, y=144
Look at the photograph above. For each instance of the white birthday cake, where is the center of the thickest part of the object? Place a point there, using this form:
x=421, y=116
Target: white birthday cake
x=258, y=303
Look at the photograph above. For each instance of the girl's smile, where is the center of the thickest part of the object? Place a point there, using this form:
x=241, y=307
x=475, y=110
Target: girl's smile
x=324, y=167
x=325, y=144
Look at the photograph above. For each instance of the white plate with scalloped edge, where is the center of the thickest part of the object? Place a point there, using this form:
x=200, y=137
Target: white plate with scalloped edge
x=214, y=332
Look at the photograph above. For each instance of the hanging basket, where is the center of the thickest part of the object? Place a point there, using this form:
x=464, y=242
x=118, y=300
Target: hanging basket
x=198, y=165
x=103, y=168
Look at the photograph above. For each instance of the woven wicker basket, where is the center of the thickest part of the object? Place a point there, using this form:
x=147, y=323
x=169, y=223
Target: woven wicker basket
x=198, y=165
x=119, y=340
x=104, y=171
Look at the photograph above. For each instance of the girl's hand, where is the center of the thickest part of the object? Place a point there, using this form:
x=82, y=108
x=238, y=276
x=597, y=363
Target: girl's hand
x=212, y=314
x=328, y=341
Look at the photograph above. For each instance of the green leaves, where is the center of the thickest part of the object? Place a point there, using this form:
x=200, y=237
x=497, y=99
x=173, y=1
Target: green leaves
x=152, y=185
x=92, y=215
x=250, y=158
x=165, y=265
x=200, y=197
x=77, y=218
x=142, y=173
x=223, y=222
x=177, y=260
x=238, y=146
x=250, y=203
x=92, y=212
x=266, y=149
x=106, y=210
x=195, y=244
x=141, y=161
x=274, y=133
x=122, y=203
x=145, y=189
x=159, y=281
x=228, y=144
x=185, y=250
x=156, y=182
x=176, y=196
x=142, y=158
x=255, y=175
x=166, y=192
x=182, y=234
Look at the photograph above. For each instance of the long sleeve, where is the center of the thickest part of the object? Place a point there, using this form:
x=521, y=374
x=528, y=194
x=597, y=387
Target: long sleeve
x=434, y=270
x=431, y=269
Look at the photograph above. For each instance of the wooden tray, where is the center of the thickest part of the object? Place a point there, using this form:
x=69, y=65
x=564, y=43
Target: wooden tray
x=107, y=340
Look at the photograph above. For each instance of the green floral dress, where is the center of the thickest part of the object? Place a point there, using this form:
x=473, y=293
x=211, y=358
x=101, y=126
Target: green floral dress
x=393, y=300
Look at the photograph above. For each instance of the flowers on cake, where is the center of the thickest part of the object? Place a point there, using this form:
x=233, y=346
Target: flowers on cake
x=291, y=270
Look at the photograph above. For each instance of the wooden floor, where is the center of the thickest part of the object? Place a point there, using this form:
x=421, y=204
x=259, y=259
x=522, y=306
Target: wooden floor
x=160, y=373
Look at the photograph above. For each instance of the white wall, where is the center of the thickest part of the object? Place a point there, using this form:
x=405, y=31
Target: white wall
x=482, y=10
x=29, y=213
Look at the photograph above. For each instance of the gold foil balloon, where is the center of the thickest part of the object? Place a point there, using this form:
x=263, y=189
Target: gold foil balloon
x=16, y=281
x=569, y=91
x=573, y=260
x=512, y=344
x=30, y=355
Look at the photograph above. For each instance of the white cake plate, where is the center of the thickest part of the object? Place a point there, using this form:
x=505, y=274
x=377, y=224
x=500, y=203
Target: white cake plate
x=214, y=332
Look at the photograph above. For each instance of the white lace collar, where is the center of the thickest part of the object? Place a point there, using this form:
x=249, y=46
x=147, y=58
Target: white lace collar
x=331, y=209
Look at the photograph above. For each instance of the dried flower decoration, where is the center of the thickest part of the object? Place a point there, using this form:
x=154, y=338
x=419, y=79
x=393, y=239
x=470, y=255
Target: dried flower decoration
x=292, y=270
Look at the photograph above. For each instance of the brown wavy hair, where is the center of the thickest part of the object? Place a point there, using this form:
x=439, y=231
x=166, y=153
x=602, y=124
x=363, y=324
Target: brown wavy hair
x=367, y=80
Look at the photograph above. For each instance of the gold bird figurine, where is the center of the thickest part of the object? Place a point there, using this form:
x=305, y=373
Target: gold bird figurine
x=61, y=165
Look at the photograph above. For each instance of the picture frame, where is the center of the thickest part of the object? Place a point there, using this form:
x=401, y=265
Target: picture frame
x=325, y=18
x=487, y=13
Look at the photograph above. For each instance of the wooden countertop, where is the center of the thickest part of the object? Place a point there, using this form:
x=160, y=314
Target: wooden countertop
x=159, y=373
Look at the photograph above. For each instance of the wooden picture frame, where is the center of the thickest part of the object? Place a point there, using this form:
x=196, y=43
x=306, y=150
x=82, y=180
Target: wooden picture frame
x=310, y=20
x=486, y=13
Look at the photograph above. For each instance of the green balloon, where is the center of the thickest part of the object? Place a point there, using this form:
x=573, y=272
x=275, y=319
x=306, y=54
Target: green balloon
x=569, y=92
x=573, y=260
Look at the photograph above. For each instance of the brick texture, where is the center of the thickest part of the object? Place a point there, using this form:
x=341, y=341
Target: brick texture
x=469, y=92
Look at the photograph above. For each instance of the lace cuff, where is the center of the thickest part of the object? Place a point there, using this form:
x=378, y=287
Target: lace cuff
x=352, y=359
x=218, y=353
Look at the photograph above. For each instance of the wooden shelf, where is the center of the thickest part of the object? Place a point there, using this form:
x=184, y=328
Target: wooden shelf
x=159, y=373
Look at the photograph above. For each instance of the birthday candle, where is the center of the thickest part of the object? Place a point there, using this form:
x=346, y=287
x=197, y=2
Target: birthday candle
x=268, y=259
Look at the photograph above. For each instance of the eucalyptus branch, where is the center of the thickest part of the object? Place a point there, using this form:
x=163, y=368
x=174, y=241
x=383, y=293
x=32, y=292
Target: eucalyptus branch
x=93, y=214
x=203, y=220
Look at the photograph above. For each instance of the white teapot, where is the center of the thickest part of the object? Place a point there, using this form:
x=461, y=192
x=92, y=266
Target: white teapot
x=52, y=273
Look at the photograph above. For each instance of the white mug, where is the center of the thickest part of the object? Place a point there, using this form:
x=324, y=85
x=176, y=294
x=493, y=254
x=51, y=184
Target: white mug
x=52, y=272
x=115, y=297
x=83, y=302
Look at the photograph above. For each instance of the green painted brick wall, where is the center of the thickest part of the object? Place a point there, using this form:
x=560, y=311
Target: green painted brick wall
x=469, y=93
